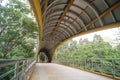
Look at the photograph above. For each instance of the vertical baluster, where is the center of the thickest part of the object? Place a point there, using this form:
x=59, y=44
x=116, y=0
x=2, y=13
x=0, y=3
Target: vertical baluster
x=113, y=66
x=27, y=68
x=85, y=63
x=91, y=64
x=16, y=70
x=23, y=68
x=73, y=62
x=99, y=65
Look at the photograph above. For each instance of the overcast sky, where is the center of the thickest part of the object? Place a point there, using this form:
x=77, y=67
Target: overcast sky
x=109, y=33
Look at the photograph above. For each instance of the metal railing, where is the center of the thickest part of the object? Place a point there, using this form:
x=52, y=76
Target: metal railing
x=109, y=66
x=16, y=69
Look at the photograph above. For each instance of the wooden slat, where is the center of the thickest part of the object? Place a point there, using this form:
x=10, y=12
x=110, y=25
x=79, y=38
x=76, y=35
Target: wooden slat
x=102, y=15
x=63, y=15
x=75, y=19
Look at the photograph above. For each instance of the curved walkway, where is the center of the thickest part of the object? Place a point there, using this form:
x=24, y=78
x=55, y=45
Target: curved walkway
x=51, y=71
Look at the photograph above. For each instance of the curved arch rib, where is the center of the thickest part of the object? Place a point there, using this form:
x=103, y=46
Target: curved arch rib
x=63, y=29
x=63, y=14
x=66, y=30
x=55, y=21
x=103, y=14
x=94, y=10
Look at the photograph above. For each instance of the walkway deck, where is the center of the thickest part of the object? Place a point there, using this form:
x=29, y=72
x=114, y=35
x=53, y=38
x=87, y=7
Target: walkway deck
x=51, y=71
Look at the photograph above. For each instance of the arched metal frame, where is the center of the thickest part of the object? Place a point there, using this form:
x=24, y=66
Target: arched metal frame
x=59, y=15
x=60, y=29
x=86, y=3
x=94, y=10
x=90, y=18
x=111, y=13
x=55, y=38
x=76, y=16
x=74, y=6
x=54, y=10
x=49, y=20
x=87, y=15
x=83, y=11
x=63, y=36
x=63, y=27
x=72, y=12
x=55, y=21
x=89, y=5
x=46, y=38
x=49, y=7
x=72, y=29
x=72, y=19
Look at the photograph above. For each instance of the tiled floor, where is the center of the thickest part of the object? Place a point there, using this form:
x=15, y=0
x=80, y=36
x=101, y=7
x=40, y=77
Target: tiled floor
x=51, y=71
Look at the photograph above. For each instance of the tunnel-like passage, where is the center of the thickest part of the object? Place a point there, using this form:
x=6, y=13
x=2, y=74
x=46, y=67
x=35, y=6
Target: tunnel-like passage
x=61, y=20
x=44, y=54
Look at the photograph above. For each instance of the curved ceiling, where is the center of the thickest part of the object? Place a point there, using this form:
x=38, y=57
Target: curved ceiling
x=60, y=20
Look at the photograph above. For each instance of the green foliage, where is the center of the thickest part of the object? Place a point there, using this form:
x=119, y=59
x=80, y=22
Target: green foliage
x=86, y=49
x=90, y=51
x=18, y=30
x=18, y=33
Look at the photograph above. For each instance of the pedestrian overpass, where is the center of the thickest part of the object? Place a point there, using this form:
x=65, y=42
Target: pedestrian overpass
x=60, y=21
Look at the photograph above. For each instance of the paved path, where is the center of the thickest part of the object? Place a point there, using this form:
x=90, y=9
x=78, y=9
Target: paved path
x=51, y=71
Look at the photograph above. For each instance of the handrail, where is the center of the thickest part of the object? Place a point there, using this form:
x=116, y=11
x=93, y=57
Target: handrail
x=109, y=66
x=5, y=62
x=15, y=69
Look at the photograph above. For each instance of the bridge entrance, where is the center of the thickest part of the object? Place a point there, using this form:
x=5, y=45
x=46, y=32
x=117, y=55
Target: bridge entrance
x=42, y=57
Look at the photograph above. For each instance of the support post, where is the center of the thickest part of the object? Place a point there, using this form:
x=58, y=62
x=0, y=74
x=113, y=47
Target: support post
x=85, y=64
x=113, y=66
x=16, y=70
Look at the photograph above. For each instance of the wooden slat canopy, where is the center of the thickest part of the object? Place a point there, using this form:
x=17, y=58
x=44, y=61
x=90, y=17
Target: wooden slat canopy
x=61, y=20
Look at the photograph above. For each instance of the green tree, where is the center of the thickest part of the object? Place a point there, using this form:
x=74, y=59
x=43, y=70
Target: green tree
x=16, y=29
x=97, y=38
